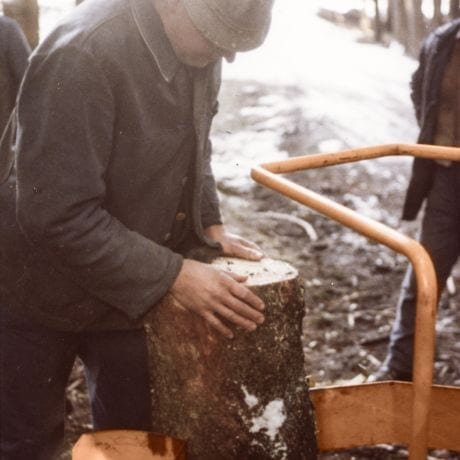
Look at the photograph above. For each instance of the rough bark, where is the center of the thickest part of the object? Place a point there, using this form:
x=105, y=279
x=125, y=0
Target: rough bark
x=244, y=398
x=26, y=13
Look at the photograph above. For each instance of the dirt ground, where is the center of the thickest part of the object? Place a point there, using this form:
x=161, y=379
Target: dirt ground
x=351, y=283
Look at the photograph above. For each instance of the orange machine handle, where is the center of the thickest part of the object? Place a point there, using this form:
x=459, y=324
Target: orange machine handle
x=424, y=341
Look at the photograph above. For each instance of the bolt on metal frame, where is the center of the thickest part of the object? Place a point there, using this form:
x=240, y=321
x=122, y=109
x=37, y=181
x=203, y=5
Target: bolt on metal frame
x=418, y=424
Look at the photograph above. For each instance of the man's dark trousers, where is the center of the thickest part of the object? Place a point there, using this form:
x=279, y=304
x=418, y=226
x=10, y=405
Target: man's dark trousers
x=35, y=364
x=441, y=238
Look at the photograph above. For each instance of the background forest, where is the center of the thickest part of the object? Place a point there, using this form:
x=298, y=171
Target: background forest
x=406, y=21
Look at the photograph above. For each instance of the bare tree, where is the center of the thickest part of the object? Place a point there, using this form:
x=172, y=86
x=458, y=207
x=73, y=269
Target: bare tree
x=398, y=19
x=378, y=22
x=26, y=13
x=416, y=30
x=454, y=10
x=437, y=14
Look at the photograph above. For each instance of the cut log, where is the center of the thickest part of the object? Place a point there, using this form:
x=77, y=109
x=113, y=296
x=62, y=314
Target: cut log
x=245, y=398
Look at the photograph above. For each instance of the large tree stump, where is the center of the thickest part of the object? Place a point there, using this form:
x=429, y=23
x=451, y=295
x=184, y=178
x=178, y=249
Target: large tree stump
x=240, y=399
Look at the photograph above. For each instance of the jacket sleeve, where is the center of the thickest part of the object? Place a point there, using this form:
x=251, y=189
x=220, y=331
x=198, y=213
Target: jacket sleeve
x=66, y=116
x=422, y=168
x=416, y=84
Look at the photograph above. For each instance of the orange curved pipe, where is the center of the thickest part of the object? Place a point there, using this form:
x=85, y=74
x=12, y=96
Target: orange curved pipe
x=425, y=275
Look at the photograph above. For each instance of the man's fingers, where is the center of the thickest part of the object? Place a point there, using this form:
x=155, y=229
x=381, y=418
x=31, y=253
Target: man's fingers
x=240, y=305
x=243, y=293
x=250, y=244
x=235, y=318
x=218, y=325
x=245, y=250
x=212, y=293
x=237, y=277
x=247, y=296
x=251, y=254
x=241, y=314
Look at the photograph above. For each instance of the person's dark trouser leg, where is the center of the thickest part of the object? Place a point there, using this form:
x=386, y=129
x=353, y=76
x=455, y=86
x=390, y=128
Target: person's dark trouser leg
x=116, y=364
x=441, y=238
x=399, y=357
x=35, y=363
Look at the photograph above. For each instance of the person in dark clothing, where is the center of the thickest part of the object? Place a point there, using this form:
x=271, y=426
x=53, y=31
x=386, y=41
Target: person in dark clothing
x=436, y=98
x=108, y=192
x=14, y=53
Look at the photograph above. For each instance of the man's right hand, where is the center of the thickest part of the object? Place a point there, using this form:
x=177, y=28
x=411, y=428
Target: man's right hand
x=212, y=293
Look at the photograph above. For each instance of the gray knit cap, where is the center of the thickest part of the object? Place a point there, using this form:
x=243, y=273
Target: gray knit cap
x=234, y=25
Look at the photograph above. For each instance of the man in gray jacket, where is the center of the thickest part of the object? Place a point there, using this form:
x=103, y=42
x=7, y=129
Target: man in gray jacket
x=111, y=187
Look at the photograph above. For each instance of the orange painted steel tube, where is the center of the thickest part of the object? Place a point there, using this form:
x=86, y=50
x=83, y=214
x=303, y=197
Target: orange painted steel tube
x=425, y=275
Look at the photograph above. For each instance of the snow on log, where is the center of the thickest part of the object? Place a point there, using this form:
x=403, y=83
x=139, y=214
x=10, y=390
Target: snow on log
x=245, y=398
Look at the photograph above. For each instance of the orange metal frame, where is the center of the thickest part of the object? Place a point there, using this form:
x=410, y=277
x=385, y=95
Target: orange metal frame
x=379, y=413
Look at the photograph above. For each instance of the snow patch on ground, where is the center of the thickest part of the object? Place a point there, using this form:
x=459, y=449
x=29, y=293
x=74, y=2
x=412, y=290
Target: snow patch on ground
x=237, y=153
x=363, y=88
x=359, y=92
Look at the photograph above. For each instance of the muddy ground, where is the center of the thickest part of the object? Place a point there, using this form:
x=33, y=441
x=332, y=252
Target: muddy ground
x=351, y=283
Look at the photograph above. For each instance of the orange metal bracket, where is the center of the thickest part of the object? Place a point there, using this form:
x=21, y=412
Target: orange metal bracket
x=266, y=174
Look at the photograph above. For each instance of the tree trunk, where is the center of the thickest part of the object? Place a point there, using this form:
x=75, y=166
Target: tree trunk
x=437, y=14
x=241, y=398
x=398, y=21
x=454, y=10
x=377, y=23
x=416, y=26
x=26, y=13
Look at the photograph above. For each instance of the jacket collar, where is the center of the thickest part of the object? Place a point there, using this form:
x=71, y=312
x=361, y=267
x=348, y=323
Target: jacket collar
x=151, y=29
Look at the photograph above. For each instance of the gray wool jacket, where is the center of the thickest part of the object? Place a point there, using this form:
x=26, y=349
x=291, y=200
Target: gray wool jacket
x=112, y=137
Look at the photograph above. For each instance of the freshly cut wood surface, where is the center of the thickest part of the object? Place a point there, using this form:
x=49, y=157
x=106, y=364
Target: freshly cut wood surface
x=266, y=271
x=245, y=398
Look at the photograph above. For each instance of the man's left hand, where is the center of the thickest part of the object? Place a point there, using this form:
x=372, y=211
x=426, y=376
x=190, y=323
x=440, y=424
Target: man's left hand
x=234, y=245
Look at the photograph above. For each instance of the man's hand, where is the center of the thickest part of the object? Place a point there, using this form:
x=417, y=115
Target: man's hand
x=212, y=293
x=233, y=245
